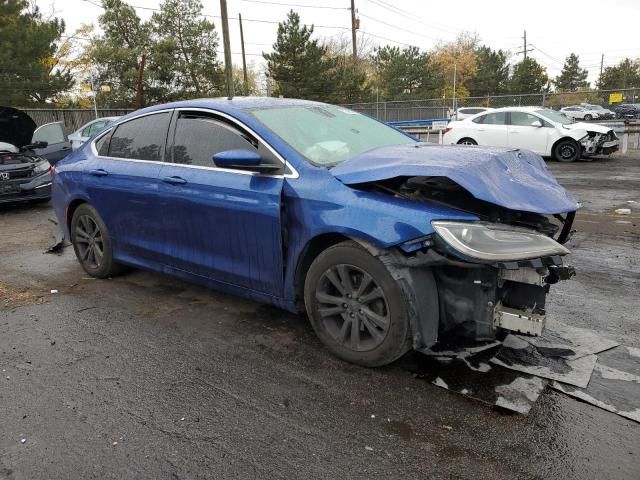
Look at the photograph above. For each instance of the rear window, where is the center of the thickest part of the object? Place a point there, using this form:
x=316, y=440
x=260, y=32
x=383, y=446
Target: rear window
x=497, y=118
x=141, y=138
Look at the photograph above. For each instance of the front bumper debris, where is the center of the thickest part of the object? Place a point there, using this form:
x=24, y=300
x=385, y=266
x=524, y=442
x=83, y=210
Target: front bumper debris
x=515, y=320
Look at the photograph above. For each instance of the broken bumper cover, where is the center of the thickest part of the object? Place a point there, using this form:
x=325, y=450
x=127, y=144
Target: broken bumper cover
x=600, y=144
x=20, y=192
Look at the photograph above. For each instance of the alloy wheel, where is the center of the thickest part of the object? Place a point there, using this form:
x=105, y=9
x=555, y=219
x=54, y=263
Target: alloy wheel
x=567, y=151
x=89, y=241
x=352, y=307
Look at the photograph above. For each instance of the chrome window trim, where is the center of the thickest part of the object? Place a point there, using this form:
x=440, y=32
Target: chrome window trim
x=293, y=172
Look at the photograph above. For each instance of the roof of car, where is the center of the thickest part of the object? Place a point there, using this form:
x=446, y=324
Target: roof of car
x=234, y=104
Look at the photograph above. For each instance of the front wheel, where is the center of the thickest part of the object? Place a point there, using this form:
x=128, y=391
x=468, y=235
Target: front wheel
x=92, y=243
x=356, y=307
x=567, y=151
x=467, y=141
x=588, y=117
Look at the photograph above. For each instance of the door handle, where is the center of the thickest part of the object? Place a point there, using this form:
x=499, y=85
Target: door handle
x=99, y=172
x=174, y=180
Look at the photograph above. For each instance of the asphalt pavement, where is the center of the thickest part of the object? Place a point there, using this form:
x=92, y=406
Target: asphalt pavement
x=144, y=376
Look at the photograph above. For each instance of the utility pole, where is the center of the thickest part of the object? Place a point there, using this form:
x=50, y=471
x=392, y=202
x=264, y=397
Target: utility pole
x=227, y=48
x=245, y=85
x=601, y=64
x=143, y=61
x=354, y=27
x=455, y=74
x=525, y=50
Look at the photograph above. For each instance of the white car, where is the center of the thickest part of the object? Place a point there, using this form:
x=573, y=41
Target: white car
x=578, y=112
x=544, y=131
x=87, y=131
x=467, y=112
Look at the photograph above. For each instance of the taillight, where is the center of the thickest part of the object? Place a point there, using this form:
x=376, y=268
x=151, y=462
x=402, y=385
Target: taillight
x=447, y=129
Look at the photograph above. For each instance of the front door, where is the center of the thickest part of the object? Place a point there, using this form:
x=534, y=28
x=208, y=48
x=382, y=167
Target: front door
x=529, y=132
x=58, y=145
x=223, y=224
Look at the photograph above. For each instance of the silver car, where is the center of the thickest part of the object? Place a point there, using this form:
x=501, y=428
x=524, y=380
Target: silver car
x=88, y=130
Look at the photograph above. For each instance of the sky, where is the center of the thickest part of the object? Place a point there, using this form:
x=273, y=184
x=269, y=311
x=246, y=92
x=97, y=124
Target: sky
x=554, y=28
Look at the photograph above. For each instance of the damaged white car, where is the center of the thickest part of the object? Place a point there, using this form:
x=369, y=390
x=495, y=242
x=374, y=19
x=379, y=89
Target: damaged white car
x=541, y=130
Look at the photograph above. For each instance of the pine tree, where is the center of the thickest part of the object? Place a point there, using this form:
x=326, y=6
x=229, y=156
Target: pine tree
x=298, y=64
x=624, y=75
x=572, y=77
x=492, y=76
x=528, y=77
x=29, y=70
x=404, y=74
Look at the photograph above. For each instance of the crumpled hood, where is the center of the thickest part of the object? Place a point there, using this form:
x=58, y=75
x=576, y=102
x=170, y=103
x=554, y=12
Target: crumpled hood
x=514, y=179
x=589, y=127
x=16, y=127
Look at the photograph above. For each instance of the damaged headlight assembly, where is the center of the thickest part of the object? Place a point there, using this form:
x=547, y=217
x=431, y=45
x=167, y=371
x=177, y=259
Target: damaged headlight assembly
x=495, y=243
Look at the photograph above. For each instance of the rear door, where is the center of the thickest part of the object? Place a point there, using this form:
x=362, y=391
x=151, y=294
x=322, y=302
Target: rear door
x=523, y=132
x=492, y=129
x=122, y=184
x=58, y=145
x=223, y=224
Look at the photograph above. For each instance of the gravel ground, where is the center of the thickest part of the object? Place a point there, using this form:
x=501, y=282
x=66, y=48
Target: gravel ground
x=144, y=376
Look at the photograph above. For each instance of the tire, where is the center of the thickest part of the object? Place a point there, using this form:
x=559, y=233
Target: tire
x=90, y=237
x=356, y=307
x=588, y=117
x=467, y=141
x=567, y=150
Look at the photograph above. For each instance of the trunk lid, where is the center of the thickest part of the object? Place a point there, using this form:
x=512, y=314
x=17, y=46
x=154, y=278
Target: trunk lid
x=513, y=179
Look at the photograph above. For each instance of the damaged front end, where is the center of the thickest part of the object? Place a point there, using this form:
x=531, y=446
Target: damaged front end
x=599, y=143
x=492, y=275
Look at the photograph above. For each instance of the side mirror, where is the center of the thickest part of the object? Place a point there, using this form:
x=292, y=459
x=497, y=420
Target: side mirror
x=536, y=123
x=242, y=160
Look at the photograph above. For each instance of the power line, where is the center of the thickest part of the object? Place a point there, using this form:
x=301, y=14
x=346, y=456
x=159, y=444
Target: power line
x=297, y=5
x=412, y=16
x=387, y=39
x=397, y=28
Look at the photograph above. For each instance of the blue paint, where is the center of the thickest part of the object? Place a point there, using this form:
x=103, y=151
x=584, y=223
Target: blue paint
x=514, y=179
x=245, y=234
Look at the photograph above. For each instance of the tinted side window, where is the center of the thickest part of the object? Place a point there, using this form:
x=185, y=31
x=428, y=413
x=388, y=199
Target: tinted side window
x=523, y=119
x=141, y=138
x=198, y=138
x=102, y=145
x=498, y=118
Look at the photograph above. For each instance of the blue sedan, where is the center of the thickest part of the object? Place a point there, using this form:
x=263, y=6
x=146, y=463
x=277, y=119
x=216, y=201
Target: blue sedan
x=387, y=243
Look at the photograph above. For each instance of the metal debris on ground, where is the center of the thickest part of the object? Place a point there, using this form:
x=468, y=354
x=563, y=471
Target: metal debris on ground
x=622, y=211
x=519, y=355
x=512, y=374
x=58, y=238
x=472, y=375
x=614, y=385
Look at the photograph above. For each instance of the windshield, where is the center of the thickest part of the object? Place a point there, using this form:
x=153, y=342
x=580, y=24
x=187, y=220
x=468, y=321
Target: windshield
x=327, y=135
x=555, y=116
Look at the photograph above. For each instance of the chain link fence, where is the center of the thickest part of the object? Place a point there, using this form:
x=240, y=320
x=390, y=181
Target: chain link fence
x=441, y=108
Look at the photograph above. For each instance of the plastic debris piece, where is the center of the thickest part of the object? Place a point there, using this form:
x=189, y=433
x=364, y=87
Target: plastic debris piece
x=114, y=443
x=182, y=419
x=368, y=448
x=23, y=440
x=447, y=427
x=54, y=291
x=373, y=416
x=622, y=211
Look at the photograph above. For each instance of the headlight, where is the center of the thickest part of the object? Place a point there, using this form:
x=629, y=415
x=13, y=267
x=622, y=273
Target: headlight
x=42, y=167
x=493, y=242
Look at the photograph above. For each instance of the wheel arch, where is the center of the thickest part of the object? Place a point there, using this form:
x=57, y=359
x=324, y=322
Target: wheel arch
x=561, y=139
x=71, y=208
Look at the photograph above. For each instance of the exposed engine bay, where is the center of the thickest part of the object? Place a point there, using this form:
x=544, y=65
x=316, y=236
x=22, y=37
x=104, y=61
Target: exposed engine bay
x=595, y=143
x=482, y=300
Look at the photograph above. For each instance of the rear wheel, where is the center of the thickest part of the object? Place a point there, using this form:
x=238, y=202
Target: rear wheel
x=467, y=141
x=92, y=243
x=356, y=307
x=567, y=150
x=588, y=117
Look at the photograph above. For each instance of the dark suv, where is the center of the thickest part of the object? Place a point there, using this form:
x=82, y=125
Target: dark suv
x=627, y=110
